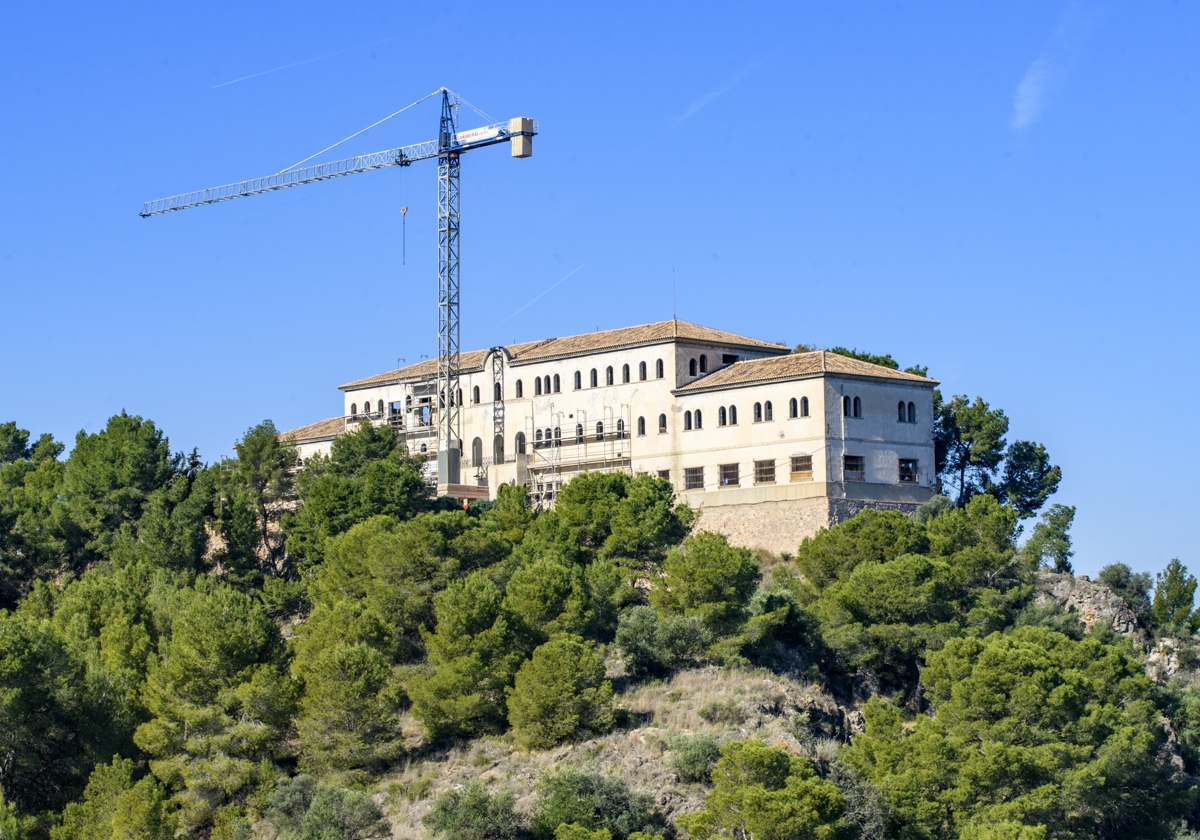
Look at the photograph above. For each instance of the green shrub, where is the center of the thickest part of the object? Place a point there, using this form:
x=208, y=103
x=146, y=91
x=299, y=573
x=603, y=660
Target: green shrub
x=653, y=647
x=473, y=813
x=338, y=814
x=561, y=691
x=694, y=757
x=300, y=809
x=723, y=711
x=764, y=793
x=593, y=802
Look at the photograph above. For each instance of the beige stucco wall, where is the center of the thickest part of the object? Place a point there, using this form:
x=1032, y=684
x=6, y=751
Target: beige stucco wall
x=825, y=435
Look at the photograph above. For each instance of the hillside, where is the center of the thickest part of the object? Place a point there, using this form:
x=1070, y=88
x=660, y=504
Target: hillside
x=243, y=650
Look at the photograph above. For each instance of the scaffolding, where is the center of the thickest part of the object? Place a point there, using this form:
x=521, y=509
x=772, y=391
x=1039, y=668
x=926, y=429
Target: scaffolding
x=562, y=444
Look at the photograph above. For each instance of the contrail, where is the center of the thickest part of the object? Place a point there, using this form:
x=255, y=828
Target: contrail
x=539, y=297
x=298, y=63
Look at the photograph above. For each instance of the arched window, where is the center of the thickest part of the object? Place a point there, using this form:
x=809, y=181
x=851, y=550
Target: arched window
x=537, y=386
x=722, y=416
x=641, y=427
x=578, y=380
x=703, y=364
x=687, y=421
x=793, y=408
x=546, y=385
x=642, y=371
x=912, y=413
x=381, y=408
x=424, y=447
x=662, y=424
x=599, y=431
x=558, y=435
x=520, y=389
x=624, y=373
x=804, y=406
x=557, y=384
x=699, y=420
x=901, y=414
x=353, y=409
x=537, y=439
x=857, y=407
x=475, y=395
x=518, y=443
x=758, y=415
x=691, y=367
x=768, y=411
x=608, y=376
x=579, y=433
x=496, y=392
x=594, y=379
x=498, y=450
x=658, y=369
x=733, y=415
x=846, y=407
x=620, y=430
x=548, y=441
x=477, y=453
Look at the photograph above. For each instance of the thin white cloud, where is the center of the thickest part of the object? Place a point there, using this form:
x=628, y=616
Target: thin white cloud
x=703, y=102
x=1031, y=93
x=298, y=63
x=1049, y=70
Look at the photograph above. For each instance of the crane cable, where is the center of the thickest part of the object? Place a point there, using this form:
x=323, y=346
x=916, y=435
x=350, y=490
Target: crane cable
x=365, y=130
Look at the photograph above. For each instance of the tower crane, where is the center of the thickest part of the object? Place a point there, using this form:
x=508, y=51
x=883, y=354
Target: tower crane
x=447, y=148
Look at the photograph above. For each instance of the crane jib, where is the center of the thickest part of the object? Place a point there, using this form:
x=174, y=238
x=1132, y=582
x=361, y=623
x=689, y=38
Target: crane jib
x=463, y=141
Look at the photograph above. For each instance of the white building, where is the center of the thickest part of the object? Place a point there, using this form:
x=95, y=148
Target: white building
x=768, y=444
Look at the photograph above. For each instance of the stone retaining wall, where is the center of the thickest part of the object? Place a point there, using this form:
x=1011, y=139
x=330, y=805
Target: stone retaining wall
x=779, y=527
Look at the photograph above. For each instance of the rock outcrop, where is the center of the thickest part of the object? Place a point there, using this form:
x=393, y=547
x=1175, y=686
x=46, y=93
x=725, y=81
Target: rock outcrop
x=1092, y=602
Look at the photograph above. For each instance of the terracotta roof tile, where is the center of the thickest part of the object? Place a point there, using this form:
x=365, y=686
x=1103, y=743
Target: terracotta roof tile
x=574, y=345
x=332, y=427
x=796, y=366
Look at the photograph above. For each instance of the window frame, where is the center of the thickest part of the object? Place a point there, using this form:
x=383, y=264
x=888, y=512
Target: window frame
x=796, y=471
x=729, y=475
x=912, y=475
x=764, y=471
x=693, y=478
x=861, y=472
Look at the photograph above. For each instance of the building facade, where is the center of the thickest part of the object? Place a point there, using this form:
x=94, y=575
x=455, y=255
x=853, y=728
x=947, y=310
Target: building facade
x=768, y=445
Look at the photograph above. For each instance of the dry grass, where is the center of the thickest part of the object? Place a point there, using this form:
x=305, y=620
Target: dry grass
x=773, y=709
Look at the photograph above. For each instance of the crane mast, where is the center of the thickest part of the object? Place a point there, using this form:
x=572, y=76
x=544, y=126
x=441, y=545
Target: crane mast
x=450, y=421
x=447, y=148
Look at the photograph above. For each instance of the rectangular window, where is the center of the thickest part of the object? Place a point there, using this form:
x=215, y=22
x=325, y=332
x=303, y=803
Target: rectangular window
x=665, y=474
x=764, y=472
x=729, y=475
x=728, y=358
x=908, y=470
x=693, y=478
x=801, y=468
x=853, y=468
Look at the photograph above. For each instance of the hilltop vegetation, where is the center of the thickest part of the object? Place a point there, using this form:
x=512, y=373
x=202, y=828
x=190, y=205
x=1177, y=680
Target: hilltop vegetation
x=239, y=650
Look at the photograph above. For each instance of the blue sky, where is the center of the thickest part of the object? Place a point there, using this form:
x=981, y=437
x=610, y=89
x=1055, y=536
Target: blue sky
x=1006, y=193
